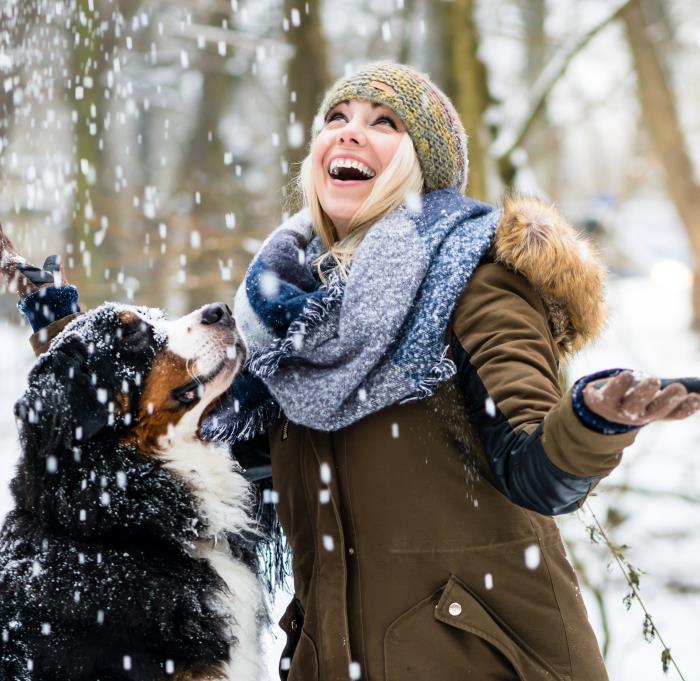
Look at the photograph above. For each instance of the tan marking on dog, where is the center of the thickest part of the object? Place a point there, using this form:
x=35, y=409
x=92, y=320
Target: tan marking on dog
x=121, y=403
x=213, y=673
x=128, y=317
x=158, y=409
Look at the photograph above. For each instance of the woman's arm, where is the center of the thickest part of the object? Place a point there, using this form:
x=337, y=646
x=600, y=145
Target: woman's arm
x=542, y=454
x=47, y=301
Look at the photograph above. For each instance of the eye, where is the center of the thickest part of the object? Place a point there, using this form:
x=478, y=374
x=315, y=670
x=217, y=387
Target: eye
x=333, y=116
x=189, y=393
x=187, y=397
x=388, y=120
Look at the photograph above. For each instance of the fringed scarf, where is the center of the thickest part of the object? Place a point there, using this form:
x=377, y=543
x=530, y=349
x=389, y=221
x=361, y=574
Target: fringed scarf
x=327, y=354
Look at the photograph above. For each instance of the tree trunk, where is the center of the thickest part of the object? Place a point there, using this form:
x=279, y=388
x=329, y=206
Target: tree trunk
x=90, y=57
x=93, y=250
x=307, y=76
x=465, y=83
x=201, y=234
x=405, y=49
x=542, y=143
x=661, y=118
x=15, y=24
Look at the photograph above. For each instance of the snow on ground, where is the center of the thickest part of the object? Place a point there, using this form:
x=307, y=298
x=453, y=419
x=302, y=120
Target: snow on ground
x=659, y=520
x=16, y=357
x=649, y=332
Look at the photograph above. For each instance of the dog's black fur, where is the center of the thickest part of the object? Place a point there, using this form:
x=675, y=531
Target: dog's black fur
x=96, y=577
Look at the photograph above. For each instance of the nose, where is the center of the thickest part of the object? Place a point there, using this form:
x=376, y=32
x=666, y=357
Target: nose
x=350, y=132
x=218, y=313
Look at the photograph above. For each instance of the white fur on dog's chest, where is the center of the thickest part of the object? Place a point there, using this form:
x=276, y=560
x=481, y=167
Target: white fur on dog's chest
x=221, y=492
x=243, y=603
x=222, y=496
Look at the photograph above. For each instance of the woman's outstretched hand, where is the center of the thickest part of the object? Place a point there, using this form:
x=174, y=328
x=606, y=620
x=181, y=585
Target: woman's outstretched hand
x=24, y=278
x=631, y=401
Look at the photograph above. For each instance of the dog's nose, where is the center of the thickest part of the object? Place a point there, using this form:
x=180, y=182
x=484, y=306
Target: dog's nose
x=218, y=313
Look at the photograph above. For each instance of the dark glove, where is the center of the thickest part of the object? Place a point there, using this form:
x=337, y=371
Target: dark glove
x=23, y=277
x=40, y=276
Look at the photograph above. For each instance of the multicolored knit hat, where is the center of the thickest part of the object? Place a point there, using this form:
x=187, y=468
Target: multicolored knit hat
x=429, y=116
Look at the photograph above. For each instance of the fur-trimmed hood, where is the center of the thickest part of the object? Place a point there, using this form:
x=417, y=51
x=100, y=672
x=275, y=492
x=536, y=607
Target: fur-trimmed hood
x=533, y=239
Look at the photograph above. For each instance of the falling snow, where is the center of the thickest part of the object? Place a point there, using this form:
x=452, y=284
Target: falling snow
x=532, y=557
x=152, y=86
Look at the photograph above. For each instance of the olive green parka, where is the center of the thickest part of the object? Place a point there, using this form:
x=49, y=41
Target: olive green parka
x=410, y=563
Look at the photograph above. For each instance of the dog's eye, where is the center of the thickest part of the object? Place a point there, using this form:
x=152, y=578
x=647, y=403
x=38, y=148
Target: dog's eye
x=188, y=394
x=188, y=397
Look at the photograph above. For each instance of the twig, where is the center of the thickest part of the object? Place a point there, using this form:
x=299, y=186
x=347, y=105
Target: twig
x=632, y=578
x=506, y=143
x=644, y=491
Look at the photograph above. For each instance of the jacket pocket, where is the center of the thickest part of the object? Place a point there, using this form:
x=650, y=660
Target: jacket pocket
x=459, y=609
x=450, y=635
x=299, y=661
x=418, y=646
x=305, y=661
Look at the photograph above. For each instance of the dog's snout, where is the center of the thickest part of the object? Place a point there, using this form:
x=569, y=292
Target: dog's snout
x=218, y=313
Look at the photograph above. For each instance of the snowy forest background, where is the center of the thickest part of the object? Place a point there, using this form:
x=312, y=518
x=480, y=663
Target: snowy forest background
x=154, y=144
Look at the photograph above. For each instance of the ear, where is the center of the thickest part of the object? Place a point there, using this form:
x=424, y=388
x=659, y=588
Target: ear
x=61, y=405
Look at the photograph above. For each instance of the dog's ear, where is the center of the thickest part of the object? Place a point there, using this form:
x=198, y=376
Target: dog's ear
x=62, y=405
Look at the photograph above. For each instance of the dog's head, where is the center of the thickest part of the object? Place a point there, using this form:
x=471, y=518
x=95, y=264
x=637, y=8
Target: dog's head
x=127, y=372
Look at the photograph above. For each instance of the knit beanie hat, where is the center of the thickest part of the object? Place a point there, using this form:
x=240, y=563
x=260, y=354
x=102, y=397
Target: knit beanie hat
x=429, y=116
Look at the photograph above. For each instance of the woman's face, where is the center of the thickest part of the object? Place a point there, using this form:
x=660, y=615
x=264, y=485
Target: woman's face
x=355, y=133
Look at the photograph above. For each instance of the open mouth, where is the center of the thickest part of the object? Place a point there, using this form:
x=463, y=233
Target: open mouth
x=347, y=170
x=192, y=390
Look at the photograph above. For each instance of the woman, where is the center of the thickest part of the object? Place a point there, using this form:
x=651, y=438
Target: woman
x=405, y=344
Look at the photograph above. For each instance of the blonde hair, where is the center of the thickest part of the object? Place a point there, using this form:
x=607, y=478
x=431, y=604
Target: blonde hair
x=402, y=176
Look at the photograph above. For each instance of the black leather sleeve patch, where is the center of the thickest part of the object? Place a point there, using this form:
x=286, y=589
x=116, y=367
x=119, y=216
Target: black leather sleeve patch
x=519, y=463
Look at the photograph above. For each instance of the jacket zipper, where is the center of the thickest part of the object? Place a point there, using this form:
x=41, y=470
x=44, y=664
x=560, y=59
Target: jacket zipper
x=285, y=429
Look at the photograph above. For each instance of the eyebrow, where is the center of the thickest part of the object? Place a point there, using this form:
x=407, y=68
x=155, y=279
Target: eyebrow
x=374, y=104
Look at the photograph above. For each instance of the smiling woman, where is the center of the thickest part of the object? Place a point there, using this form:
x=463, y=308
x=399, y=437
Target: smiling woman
x=357, y=143
x=362, y=165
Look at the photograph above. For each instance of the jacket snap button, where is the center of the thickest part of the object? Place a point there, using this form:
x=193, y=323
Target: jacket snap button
x=455, y=609
x=293, y=625
x=351, y=551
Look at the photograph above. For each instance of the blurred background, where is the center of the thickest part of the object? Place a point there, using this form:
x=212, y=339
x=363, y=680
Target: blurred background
x=155, y=144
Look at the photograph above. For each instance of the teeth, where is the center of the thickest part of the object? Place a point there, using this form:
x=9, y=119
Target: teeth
x=349, y=163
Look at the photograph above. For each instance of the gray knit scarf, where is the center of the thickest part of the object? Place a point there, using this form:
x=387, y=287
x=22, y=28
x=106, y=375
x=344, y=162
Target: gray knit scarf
x=329, y=353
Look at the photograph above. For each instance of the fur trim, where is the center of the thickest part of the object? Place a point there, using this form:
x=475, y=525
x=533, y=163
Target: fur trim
x=533, y=239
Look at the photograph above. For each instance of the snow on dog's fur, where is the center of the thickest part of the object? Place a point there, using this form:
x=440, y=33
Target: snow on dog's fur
x=130, y=553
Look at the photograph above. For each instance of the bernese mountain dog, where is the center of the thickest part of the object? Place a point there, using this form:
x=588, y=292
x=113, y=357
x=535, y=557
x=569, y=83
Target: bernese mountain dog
x=130, y=553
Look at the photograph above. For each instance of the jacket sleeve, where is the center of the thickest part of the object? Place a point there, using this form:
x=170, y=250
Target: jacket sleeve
x=542, y=455
x=48, y=311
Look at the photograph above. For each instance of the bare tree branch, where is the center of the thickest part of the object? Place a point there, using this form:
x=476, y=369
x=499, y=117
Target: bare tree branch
x=648, y=492
x=507, y=141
